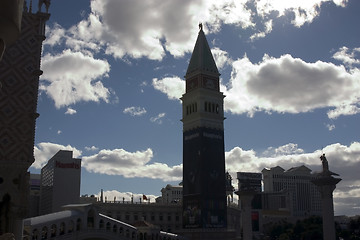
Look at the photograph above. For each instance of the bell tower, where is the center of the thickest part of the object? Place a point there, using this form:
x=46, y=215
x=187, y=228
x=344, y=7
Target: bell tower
x=204, y=191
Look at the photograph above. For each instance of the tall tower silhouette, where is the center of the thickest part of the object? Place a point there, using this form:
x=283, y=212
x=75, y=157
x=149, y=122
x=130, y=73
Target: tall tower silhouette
x=19, y=76
x=204, y=193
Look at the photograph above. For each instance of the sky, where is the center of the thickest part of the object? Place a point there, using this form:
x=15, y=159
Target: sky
x=113, y=73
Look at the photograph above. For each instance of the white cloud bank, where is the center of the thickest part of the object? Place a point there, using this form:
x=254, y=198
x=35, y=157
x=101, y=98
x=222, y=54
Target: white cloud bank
x=291, y=85
x=116, y=28
x=284, y=85
x=344, y=160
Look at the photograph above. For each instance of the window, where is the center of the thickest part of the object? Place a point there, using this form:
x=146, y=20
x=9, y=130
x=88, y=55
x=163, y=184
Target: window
x=62, y=228
x=101, y=224
x=44, y=233
x=53, y=230
x=108, y=226
x=78, y=224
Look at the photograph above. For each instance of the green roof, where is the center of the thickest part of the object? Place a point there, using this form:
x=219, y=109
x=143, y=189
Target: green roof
x=202, y=59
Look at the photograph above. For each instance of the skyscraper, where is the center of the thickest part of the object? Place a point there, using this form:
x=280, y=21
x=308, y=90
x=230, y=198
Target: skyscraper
x=60, y=182
x=204, y=194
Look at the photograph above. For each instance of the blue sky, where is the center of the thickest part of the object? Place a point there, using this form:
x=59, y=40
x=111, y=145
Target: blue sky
x=113, y=76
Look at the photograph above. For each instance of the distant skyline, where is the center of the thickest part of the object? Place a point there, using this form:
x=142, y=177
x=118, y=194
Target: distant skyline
x=114, y=72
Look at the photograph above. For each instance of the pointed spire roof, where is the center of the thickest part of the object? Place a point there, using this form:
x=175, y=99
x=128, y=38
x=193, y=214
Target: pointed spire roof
x=202, y=59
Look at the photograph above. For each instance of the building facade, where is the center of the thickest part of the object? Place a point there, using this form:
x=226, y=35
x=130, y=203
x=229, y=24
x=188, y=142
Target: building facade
x=204, y=193
x=19, y=76
x=304, y=196
x=172, y=194
x=60, y=182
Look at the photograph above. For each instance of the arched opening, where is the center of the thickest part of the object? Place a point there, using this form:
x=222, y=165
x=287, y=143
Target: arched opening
x=71, y=226
x=53, y=230
x=115, y=228
x=101, y=224
x=62, y=228
x=78, y=224
x=121, y=230
x=91, y=218
x=35, y=234
x=44, y=233
x=108, y=226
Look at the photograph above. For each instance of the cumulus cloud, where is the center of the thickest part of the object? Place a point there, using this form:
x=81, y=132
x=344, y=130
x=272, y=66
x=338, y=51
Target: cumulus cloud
x=46, y=150
x=221, y=57
x=348, y=56
x=114, y=195
x=291, y=85
x=284, y=85
x=173, y=87
x=92, y=148
x=130, y=165
x=304, y=11
x=135, y=111
x=70, y=111
x=287, y=149
x=115, y=27
x=71, y=77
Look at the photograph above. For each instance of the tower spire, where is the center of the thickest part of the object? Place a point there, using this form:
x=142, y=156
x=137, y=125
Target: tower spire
x=202, y=60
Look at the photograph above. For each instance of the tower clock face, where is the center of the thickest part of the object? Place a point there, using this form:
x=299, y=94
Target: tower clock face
x=210, y=83
x=191, y=84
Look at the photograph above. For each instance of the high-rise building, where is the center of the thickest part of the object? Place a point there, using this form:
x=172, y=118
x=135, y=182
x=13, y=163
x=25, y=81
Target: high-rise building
x=305, y=197
x=204, y=193
x=19, y=80
x=60, y=182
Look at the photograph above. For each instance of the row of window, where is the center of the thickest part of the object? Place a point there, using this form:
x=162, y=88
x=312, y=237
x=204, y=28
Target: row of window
x=208, y=107
x=152, y=218
x=44, y=234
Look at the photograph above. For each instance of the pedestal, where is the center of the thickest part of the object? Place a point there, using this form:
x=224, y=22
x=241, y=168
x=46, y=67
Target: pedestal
x=326, y=186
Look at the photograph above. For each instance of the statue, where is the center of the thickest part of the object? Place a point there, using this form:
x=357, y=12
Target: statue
x=325, y=163
x=325, y=166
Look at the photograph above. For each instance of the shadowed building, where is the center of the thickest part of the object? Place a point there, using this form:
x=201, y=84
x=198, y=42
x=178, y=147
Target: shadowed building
x=204, y=187
x=60, y=182
x=19, y=76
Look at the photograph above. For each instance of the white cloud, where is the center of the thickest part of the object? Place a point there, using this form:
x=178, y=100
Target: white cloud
x=135, y=111
x=70, y=111
x=348, y=56
x=116, y=27
x=284, y=85
x=130, y=165
x=158, y=118
x=221, y=58
x=111, y=195
x=173, y=87
x=71, y=77
x=330, y=126
x=92, y=148
x=290, y=148
x=46, y=150
x=305, y=11
x=291, y=85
